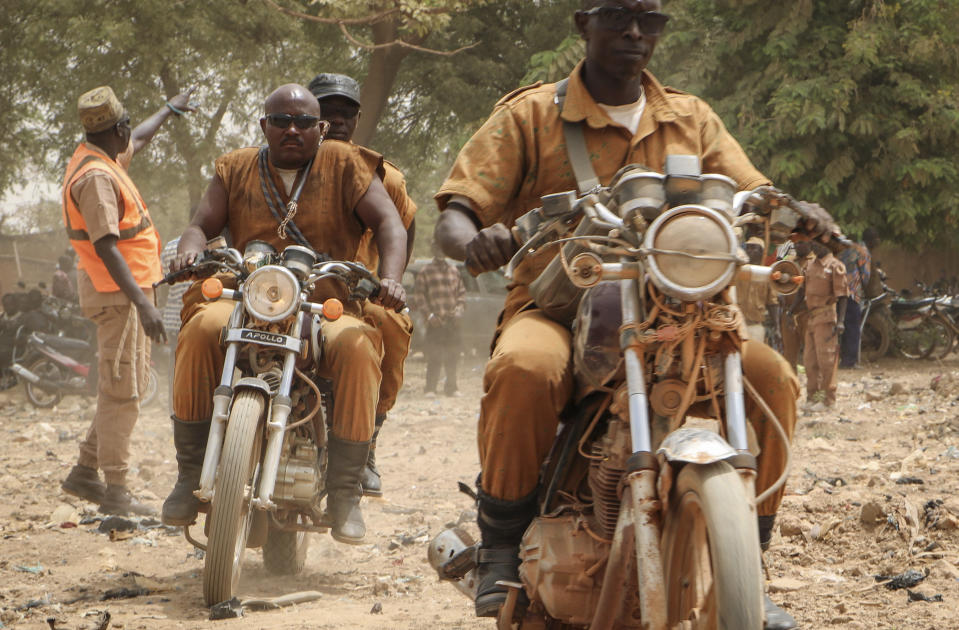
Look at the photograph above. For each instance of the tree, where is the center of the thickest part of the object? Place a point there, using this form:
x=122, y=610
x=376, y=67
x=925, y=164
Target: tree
x=851, y=104
x=234, y=51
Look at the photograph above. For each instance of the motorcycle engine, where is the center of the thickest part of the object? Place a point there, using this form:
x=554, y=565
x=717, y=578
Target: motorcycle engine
x=297, y=480
x=605, y=473
x=559, y=567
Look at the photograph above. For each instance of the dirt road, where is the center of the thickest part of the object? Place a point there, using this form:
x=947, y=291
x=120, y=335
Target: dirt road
x=873, y=492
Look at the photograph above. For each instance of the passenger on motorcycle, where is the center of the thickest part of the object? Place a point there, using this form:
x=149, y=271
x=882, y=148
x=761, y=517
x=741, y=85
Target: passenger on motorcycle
x=518, y=156
x=338, y=194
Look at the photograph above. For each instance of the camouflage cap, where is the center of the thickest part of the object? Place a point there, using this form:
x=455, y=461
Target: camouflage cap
x=328, y=84
x=99, y=109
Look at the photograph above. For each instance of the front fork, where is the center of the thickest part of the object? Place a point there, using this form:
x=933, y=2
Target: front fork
x=278, y=415
x=643, y=465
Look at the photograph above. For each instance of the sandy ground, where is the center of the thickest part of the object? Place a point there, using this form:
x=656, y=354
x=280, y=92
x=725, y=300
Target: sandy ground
x=872, y=492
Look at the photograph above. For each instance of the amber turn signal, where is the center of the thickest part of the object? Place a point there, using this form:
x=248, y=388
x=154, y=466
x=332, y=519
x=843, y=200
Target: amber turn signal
x=332, y=309
x=212, y=288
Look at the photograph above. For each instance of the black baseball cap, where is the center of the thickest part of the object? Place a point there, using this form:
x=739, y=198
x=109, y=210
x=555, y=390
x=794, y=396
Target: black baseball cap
x=328, y=84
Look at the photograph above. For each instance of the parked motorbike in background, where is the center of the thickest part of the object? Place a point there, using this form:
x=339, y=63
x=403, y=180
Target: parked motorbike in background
x=264, y=471
x=909, y=327
x=55, y=366
x=647, y=512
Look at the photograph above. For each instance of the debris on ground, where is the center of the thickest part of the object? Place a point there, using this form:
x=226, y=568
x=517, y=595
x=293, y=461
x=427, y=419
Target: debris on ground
x=904, y=580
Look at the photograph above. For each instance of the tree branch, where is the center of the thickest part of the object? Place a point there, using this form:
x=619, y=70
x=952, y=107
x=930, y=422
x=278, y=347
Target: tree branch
x=368, y=21
x=402, y=44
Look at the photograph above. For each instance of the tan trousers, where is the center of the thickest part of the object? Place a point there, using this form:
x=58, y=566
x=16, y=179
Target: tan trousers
x=107, y=443
x=792, y=337
x=821, y=359
x=352, y=353
x=397, y=331
x=528, y=382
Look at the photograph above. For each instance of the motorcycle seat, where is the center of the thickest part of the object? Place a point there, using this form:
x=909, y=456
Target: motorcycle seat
x=66, y=344
x=911, y=305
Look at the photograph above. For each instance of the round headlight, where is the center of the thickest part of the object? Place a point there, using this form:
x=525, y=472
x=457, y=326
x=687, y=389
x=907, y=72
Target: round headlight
x=693, y=252
x=271, y=293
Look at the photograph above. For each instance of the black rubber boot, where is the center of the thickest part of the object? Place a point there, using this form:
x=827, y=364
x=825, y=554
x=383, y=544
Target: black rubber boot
x=372, y=485
x=84, y=482
x=776, y=617
x=345, y=463
x=502, y=525
x=190, y=438
x=118, y=500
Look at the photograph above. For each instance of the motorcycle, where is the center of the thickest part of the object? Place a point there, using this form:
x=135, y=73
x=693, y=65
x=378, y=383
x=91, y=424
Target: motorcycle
x=647, y=513
x=263, y=474
x=55, y=366
x=909, y=327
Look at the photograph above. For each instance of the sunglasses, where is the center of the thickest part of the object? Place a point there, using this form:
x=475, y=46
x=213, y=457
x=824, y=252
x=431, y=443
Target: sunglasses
x=302, y=121
x=650, y=23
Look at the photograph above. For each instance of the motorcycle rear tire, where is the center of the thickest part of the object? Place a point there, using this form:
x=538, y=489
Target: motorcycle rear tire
x=284, y=553
x=38, y=396
x=875, y=340
x=711, y=552
x=918, y=342
x=230, y=514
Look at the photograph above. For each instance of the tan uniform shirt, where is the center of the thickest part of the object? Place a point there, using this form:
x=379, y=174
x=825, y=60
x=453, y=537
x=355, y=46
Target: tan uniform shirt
x=753, y=298
x=340, y=177
x=825, y=284
x=519, y=154
x=395, y=185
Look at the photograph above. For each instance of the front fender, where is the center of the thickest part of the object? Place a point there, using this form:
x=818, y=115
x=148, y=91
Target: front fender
x=695, y=446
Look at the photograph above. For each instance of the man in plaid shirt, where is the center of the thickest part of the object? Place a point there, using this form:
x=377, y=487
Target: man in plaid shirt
x=440, y=295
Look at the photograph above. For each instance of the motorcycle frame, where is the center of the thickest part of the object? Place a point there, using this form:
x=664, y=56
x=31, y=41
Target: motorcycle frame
x=277, y=410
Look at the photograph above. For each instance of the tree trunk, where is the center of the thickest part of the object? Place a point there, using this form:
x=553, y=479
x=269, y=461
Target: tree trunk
x=375, y=94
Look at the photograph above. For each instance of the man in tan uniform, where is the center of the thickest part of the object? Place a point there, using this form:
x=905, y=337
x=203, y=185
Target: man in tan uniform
x=118, y=249
x=518, y=156
x=339, y=98
x=794, y=314
x=342, y=188
x=826, y=293
x=756, y=299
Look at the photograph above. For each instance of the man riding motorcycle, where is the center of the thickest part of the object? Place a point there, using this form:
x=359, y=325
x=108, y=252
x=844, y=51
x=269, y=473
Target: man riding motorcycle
x=322, y=196
x=519, y=155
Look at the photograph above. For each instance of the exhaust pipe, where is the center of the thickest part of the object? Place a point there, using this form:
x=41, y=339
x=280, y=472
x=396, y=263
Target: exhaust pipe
x=23, y=372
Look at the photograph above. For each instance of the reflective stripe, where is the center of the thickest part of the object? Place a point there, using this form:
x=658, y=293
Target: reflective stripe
x=74, y=234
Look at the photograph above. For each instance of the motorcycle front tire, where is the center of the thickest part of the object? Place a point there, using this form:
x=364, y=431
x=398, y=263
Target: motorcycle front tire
x=945, y=338
x=230, y=514
x=711, y=552
x=918, y=342
x=37, y=395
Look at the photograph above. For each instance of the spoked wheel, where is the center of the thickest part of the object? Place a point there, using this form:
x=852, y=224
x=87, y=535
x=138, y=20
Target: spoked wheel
x=875, y=339
x=37, y=395
x=284, y=553
x=918, y=342
x=230, y=514
x=153, y=386
x=945, y=338
x=711, y=553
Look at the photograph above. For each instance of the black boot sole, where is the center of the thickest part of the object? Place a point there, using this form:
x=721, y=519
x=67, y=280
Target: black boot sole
x=82, y=493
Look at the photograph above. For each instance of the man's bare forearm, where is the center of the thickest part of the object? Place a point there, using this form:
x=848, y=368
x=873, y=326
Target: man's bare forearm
x=119, y=270
x=455, y=229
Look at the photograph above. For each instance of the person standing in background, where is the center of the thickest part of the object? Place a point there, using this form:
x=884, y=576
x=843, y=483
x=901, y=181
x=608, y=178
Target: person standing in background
x=440, y=295
x=793, y=308
x=61, y=286
x=826, y=295
x=118, y=249
x=756, y=299
x=858, y=262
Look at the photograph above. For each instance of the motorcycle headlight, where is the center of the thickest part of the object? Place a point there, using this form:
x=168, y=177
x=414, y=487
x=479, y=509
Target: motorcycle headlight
x=692, y=252
x=271, y=293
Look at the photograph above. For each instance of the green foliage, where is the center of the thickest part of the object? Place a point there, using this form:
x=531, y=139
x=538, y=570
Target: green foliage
x=851, y=104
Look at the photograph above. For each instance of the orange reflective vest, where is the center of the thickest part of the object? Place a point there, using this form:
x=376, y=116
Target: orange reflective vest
x=139, y=243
